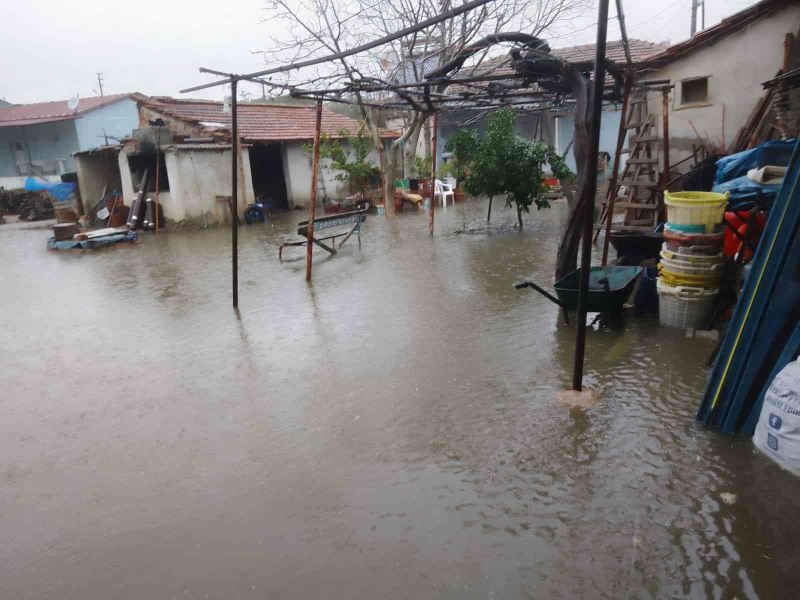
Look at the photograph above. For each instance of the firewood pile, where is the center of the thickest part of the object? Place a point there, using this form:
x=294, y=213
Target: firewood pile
x=777, y=113
x=30, y=206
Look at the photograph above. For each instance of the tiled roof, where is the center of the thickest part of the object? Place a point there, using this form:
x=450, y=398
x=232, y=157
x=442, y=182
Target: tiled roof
x=724, y=28
x=46, y=112
x=640, y=49
x=258, y=122
x=501, y=65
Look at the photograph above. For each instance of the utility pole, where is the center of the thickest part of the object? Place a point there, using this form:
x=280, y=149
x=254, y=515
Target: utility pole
x=702, y=5
x=703, y=15
x=100, y=81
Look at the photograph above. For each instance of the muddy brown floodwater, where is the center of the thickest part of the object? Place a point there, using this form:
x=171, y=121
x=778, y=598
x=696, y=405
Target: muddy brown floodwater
x=391, y=431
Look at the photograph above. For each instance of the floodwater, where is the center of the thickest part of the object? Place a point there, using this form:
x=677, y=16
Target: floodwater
x=391, y=431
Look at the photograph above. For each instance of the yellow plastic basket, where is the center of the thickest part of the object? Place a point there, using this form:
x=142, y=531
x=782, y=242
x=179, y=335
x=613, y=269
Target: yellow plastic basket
x=672, y=279
x=704, y=209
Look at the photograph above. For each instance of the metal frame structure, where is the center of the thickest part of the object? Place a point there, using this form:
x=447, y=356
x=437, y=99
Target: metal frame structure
x=551, y=92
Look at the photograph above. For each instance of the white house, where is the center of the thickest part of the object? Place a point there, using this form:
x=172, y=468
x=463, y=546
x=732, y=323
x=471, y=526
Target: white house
x=192, y=141
x=40, y=139
x=718, y=74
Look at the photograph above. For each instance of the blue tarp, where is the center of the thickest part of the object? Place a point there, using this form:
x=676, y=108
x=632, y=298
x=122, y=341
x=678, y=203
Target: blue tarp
x=744, y=192
x=732, y=171
x=775, y=153
x=99, y=242
x=59, y=191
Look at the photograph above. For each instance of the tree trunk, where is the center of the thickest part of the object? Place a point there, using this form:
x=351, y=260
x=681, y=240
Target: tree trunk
x=568, y=188
x=410, y=149
x=567, y=258
x=519, y=215
x=489, y=214
x=427, y=138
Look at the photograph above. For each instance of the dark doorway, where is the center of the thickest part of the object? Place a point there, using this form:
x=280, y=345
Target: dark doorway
x=266, y=166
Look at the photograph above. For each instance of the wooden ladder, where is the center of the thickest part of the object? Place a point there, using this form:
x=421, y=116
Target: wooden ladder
x=640, y=176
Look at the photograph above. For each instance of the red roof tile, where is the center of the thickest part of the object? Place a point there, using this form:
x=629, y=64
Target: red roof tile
x=258, y=122
x=501, y=65
x=615, y=51
x=46, y=112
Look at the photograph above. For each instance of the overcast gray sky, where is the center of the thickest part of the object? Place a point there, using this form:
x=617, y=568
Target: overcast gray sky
x=52, y=49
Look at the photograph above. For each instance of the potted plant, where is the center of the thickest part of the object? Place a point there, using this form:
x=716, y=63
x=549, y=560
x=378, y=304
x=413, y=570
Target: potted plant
x=349, y=155
x=422, y=169
x=462, y=144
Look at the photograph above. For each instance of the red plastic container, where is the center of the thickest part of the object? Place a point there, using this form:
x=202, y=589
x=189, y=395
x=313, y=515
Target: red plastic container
x=707, y=244
x=741, y=221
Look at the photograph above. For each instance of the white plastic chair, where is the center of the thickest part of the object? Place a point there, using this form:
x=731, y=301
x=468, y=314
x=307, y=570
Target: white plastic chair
x=444, y=191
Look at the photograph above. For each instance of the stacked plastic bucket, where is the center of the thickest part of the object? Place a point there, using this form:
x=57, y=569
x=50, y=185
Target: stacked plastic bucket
x=691, y=258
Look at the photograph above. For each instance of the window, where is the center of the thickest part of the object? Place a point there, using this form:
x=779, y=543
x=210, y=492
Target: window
x=694, y=91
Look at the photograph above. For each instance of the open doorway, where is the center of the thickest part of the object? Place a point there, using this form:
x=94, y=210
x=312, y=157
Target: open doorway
x=269, y=183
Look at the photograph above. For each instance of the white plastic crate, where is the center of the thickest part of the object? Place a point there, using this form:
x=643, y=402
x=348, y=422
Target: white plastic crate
x=684, y=307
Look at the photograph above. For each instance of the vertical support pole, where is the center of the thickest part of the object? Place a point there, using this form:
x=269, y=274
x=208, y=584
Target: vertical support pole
x=158, y=169
x=589, y=201
x=611, y=196
x=664, y=147
x=434, y=135
x=312, y=205
x=703, y=15
x=693, y=28
x=234, y=195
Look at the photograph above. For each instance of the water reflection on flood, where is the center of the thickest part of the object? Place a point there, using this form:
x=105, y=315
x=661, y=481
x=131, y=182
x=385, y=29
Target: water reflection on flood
x=391, y=430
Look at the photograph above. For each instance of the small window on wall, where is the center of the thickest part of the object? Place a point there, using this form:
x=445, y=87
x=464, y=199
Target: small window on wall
x=694, y=91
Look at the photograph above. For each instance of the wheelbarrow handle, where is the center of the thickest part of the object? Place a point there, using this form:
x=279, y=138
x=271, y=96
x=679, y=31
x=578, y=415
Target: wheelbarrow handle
x=543, y=292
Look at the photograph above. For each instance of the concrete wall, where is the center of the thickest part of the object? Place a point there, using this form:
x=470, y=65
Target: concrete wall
x=96, y=171
x=297, y=172
x=736, y=66
x=48, y=144
x=196, y=177
x=118, y=119
x=609, y=130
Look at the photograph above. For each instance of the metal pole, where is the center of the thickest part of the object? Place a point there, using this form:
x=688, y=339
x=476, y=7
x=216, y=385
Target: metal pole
x=665, y=146
x=158, y=168
x=703, y=15
x=589, y=198
x=611, y=196
x=433, y=168
x=312, y=205
x=693, y=28
x=234, y=195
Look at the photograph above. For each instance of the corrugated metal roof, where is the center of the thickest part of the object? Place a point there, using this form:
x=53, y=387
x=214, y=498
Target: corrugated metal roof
x=48, y=112
x=258, y=122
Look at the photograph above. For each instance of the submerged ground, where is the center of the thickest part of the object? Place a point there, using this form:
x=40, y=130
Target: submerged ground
x=391, y=431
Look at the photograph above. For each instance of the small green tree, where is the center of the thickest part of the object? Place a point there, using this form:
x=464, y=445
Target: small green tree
x=422, y=167
x=505, y=163
x=349, y=154
x=463, y=144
